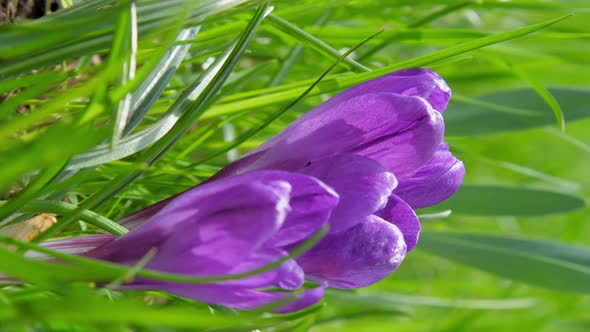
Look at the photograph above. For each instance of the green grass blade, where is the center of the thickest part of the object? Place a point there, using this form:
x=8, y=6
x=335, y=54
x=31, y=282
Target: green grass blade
x=124, y=51
x=341, y=81
x=294, y=55
x=44, y=177
x=145, y=97
x=157, y=80
x=307, y=39
x=541, y=263
x=381, y=300
x=64, y=208
x=37, y=155
x=544, y=93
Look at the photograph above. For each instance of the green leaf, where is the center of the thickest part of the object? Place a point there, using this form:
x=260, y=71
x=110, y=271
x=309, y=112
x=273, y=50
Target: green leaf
x=512, y=110
x=509, y=201
x=143, y=99
x=159, y=77
x=294, y=54
x=541, y=263
x=123, y=59
x=384, y=300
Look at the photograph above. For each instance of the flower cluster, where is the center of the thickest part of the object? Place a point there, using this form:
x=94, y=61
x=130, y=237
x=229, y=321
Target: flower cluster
x=361, y=162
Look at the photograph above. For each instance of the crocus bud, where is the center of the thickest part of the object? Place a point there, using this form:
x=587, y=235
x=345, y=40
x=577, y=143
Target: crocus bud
x=361, y=162
x=380, y=146
x=230, y=226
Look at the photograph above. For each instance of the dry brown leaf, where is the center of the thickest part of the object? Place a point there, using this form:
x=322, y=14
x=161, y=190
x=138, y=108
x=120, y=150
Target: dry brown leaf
x=29, y=229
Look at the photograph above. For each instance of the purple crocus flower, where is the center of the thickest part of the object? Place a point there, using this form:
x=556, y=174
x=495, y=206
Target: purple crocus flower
x=226, y=227
x=380, y=146
x=362, y=162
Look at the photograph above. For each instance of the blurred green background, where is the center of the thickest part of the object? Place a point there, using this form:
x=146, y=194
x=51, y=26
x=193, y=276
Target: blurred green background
x=511, y=252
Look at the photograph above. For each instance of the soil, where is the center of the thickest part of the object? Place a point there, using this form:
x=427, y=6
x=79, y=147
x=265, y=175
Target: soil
x=17, y=10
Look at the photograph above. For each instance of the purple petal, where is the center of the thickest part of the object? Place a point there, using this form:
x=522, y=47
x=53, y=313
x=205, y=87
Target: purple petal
x=311, y=204
x=434, y=182
x=357, y=257
x=400, y=132
x=420, y=131
x=210, y=229
x=420, y=82
x=288, y=275
x=401, y=215
x=241, y=293
x=233, y=296
x=137, y=218
x=74, y=246
x=210, y=226
x=217, y=242
x=416, y=82
x=305, y=299
x=236, y=167
x=362, y=184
